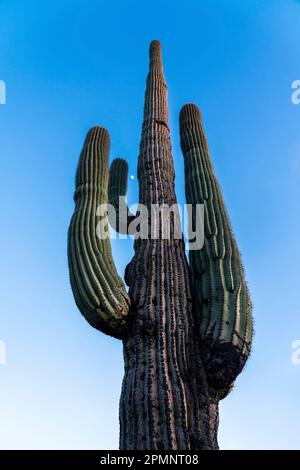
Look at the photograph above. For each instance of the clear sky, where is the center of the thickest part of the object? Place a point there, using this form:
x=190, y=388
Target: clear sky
x=72, y=64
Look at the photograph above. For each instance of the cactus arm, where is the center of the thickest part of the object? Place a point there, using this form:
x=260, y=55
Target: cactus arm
x=223, y=306
x=98, y=290
x=117, y=186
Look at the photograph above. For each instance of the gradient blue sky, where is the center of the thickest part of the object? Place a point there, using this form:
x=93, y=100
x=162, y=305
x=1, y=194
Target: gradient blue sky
x=69, y=65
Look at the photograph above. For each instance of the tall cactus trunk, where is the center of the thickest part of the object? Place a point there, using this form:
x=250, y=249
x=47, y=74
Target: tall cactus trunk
x=164, y=401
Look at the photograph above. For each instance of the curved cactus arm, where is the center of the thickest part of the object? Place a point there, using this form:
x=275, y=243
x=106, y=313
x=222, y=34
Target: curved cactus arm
x=117, y=189
x=223, y=306
x=99, y=292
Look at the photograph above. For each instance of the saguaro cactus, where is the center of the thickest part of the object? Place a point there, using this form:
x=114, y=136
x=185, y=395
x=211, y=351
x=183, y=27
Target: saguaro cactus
x=186, y=330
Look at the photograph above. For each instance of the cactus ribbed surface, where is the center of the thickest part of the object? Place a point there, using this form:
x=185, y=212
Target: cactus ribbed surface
x=223, y=306
x=99, y=292
x=186, y=330
x=118, y=173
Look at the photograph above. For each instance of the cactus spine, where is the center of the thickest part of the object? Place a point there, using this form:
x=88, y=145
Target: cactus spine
x=181, y=356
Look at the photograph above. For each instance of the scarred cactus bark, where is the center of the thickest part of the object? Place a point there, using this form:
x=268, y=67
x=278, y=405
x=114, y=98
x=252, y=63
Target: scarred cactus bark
x=164, y=393
x=186, y=330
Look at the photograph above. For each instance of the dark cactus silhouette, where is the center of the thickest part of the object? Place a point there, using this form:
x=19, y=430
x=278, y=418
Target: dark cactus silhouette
x=186, y=330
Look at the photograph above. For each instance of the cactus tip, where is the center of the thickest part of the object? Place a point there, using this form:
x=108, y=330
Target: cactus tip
x=98, y=134
x=98, y=130
x=155, y=51
x=120, y=163
x=190, y=112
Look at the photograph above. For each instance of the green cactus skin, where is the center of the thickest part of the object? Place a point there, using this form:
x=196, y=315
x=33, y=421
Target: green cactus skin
x=223, y=306
x=178, y=353
x=117, y=186
x=99, y=292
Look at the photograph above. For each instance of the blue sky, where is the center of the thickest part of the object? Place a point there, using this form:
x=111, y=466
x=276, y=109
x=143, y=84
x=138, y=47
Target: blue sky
x=69, y=65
